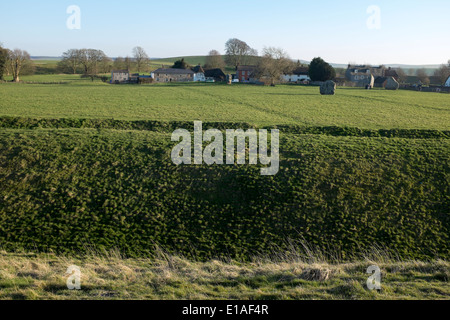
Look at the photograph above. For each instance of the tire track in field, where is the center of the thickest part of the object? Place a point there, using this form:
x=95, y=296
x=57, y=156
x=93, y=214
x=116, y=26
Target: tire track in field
x=265, y=111
x=398, y=102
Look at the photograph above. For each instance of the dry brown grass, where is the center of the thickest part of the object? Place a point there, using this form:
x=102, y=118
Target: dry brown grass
x=110, y=276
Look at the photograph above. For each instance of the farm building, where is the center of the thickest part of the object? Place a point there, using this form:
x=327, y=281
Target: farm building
x=380, y=82
x=173, y=75
x=364, y=75
x=244, y=73
x=120, y=76
x=134, y=78
x=447, y=83
x=216, y=74
x=297, y=75
x=199, y=74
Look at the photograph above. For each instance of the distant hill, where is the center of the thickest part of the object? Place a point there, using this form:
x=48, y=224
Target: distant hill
x=192, y=60
x=36, y=58
x=195, y=60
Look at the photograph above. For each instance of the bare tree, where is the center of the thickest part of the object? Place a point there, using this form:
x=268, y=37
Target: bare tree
x=91, y=61
x=105, y=65
x=238, y=52
x=274, y=63
x=18, y=59
x=141, y=58
x=442, y=73
x=402, y=76
x=70, y=61
x=214, y=60
x=423, y=76
x=128, y=63
x=119, y=63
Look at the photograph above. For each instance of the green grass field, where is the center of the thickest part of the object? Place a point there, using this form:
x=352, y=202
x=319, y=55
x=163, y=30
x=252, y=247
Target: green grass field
x=294, y=105
x=87, y=165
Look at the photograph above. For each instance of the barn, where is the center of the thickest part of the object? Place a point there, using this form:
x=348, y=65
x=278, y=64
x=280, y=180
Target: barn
x=173, y=75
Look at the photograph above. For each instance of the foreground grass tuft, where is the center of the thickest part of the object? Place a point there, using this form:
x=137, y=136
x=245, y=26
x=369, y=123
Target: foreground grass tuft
x=110, y=276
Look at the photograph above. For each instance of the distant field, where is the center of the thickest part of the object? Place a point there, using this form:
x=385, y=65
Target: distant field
x=294, y=105
x=192, y=60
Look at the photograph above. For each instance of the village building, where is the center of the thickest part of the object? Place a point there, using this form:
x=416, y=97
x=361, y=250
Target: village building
x=173, y=75
x=120, y=76
x=297, y=75
x=447, y=83
x=199, y=74
x=245, y=73
x=380, y=82
x=365, y=75
x=215, y=74
x=391, y=73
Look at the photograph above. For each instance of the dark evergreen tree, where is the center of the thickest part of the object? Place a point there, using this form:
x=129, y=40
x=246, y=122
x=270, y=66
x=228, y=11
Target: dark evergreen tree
x=319, y=70
x=181, y=64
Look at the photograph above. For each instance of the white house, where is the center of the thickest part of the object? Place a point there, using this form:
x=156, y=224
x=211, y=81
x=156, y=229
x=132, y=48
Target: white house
x=297, y=75
x=199, y=74
x=447, y=83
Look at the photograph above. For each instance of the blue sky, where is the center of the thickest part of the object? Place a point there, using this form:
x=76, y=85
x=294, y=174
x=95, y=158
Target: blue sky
x=412, y=32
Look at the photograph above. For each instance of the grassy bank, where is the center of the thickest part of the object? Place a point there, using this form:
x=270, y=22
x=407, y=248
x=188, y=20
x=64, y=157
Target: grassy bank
x=63, y=188
x=110, y=276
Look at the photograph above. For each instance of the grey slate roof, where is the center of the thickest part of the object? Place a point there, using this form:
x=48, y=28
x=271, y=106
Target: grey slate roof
x=174, y=71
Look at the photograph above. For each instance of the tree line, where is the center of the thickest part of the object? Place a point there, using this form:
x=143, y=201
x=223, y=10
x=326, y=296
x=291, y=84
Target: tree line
x=91, y=62
x=270, y=65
